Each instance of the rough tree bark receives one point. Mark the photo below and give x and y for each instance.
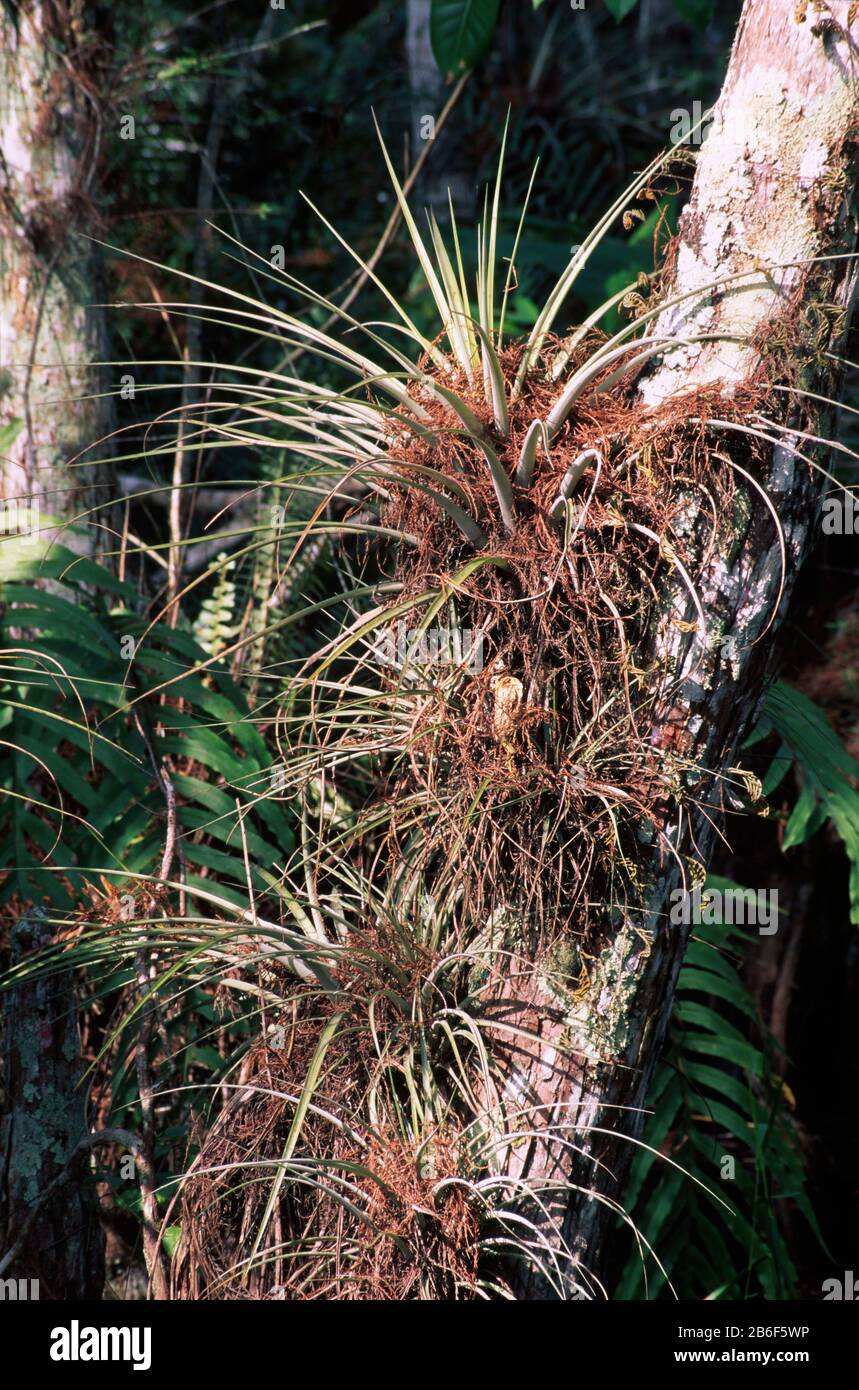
(50, 331)
(51, 334)
(775, 183)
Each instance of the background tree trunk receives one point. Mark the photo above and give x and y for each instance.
(51, 334)
(44, 1121)
(50, 330)
(774, 183)
(427, 96)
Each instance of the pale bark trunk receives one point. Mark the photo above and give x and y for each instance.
(50, 335)
(427, 97)
(50, 331)
(774, 183)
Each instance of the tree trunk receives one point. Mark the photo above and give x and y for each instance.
(60, 1243)
(50, 331)
(774, 184)
(427, 97)
(50, 336)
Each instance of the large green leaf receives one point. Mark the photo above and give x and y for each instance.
(714, 1093)
(78, 794)
(830, 774)
(460, 31)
